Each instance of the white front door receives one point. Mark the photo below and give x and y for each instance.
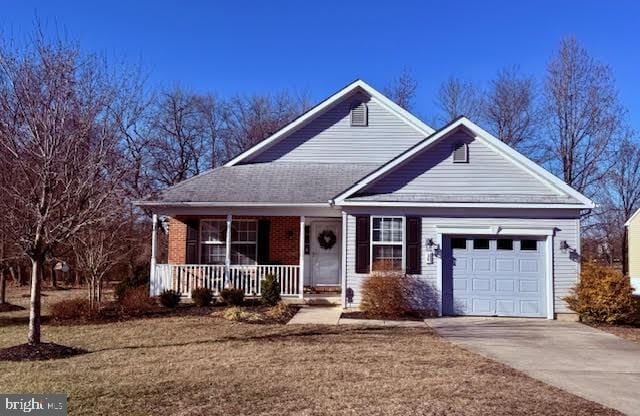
(325, 253)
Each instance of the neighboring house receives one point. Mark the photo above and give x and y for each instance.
(633, 250)
(357, 180)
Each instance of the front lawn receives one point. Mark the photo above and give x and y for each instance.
(205, 365)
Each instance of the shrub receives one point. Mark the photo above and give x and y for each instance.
(202, 296)
(127, 284)
(169, 298)
(282, 312)
(603, 295)
(270, 290)
(238, 314)
(388, 293)
(232, 296)
(136, 301)
(72, 309)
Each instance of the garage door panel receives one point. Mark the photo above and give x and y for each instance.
(505, 307)
(503, 280)
(505, 265)
(505, 285)
(481, 285)
(529, 286)
(529, 266)
(481, 265)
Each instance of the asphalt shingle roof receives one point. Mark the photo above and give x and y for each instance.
(269, 182)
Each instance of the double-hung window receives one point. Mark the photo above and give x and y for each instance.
(244, 241)
(213, 241)
(387, 238)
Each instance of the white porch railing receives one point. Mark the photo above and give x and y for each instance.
(184, 278)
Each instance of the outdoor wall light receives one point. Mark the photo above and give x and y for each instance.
(564, 246)
(290, 234)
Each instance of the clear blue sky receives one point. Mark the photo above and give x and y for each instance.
(265, 46)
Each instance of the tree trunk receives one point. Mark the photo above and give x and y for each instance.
(54, 281)
(3, 286)
(19, 275)
(35, 306)
(12, 271)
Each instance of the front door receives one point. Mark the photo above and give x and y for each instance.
(325, 253)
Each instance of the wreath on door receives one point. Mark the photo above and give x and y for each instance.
(327, 239)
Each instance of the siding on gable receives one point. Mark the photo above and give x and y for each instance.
(434, 172)
(566, 266)
(330, 138)
(633, 252)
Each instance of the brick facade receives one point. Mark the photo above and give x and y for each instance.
(284, 241)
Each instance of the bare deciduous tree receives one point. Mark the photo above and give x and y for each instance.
(584, 117)
(99, 248)
(510, 111)
(178, 144)
(58, 150)
(459, 98)
(402, 90)
(621, 198)
(251, 119)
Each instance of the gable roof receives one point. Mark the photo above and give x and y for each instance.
(632, 217)
(580, 201)
(304, 119)
(264, 184)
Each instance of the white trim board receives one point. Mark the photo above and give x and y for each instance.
(495, 144)
(301, 121)
(628, 223)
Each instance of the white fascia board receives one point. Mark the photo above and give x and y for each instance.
(493, 230)
(226, 204)
(487, 138)
(456, 205)
(628, 223)
(326, 104)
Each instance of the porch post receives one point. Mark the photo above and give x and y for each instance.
(227, 257)
(301, 268)
(153, 285)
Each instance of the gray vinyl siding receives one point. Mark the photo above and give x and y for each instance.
(566, 266)
(330, 138)
(433, 171)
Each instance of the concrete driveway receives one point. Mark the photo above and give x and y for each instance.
(576, 358)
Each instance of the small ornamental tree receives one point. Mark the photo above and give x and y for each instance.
(270, 292)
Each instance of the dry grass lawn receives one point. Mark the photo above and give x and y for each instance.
(209, 366)
(631, 333)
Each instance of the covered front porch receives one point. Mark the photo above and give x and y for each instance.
(239, 251)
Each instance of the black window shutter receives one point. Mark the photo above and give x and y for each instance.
(264, 231)
(193, 235)
(362, 244)
(414, 235)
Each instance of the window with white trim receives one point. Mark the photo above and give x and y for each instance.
(244, 241)
(213, 235)
(387, 237)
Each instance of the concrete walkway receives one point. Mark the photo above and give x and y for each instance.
(576, 358)
(318, 315)
(330, 315)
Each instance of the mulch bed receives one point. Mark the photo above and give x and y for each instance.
(38, 352)
(364, 315)
(9, 307)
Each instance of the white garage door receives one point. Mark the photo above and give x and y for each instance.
(494, 276)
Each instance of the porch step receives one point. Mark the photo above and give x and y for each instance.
(322, 299)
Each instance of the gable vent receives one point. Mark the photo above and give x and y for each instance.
(359, 114)
(460, 153)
